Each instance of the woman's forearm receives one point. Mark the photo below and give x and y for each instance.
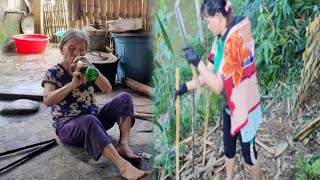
(191, 85)
(53, 97)
(212, 80)
(103, 83)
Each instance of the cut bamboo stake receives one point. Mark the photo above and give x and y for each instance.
(218, 139)
(143, 115)
(177, 126)
(307, 130)
(192, 129)
(205, 128)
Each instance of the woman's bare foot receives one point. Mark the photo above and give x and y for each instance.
(126, 152)
(130, 172)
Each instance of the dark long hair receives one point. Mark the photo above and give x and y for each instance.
(210, 7)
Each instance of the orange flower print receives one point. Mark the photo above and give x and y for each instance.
(234, 54)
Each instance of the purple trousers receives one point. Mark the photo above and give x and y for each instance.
(89, 130)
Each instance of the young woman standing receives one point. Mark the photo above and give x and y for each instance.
(231, 72)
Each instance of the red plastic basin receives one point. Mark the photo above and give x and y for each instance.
(30, 43)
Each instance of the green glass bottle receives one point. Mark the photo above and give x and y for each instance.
(91, 72)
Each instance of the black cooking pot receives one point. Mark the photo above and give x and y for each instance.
(106, 63)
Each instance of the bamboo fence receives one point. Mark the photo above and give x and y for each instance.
(58, 17)
(310, 75)
(101, 11)
(54, 17)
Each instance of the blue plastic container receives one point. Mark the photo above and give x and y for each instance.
(59, 35)
(137, 57)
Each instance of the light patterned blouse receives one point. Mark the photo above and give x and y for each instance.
(78, 102)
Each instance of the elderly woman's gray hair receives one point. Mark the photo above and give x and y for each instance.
(77, 33)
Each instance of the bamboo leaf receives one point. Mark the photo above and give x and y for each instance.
(165, 35)
(155, 122)
(161, 4)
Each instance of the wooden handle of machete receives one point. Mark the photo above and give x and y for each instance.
(195, 76)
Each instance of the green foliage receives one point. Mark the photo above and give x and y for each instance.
(308, 168)
(163, 81)
(278, 27)
(9, 26)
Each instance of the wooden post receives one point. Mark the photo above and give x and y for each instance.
(134, 9)
(84, 11)
(147, 4)
(129, 8)
(192, 131)
(103, 13)
(116, 9)
(90, 9)
(142, 88)
(109, 15)
(205, 128)
(38, 25)
(96, 11)
(143, 10)
(70, 23)
(123, 8)
(177, 126)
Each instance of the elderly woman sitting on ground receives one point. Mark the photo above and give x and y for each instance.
(76, 117)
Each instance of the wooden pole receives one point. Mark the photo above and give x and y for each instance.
(129, 8)
(90, 10)
(70, 23)
(177, 126)
(135, 9)
(313, 125)
(123, 8)
(109, 12)
(84, 11)
(103, 13)
(148, 25)
(192, 131)
(38, 25)
(142, 88)
(206, 128)
(116, 8)
(144, 14)
(96, 11)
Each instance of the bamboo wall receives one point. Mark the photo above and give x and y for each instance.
(100, 11)
(54, 18)
(309, 91)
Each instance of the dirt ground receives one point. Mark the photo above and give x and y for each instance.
(281, 122)
(22, 74)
